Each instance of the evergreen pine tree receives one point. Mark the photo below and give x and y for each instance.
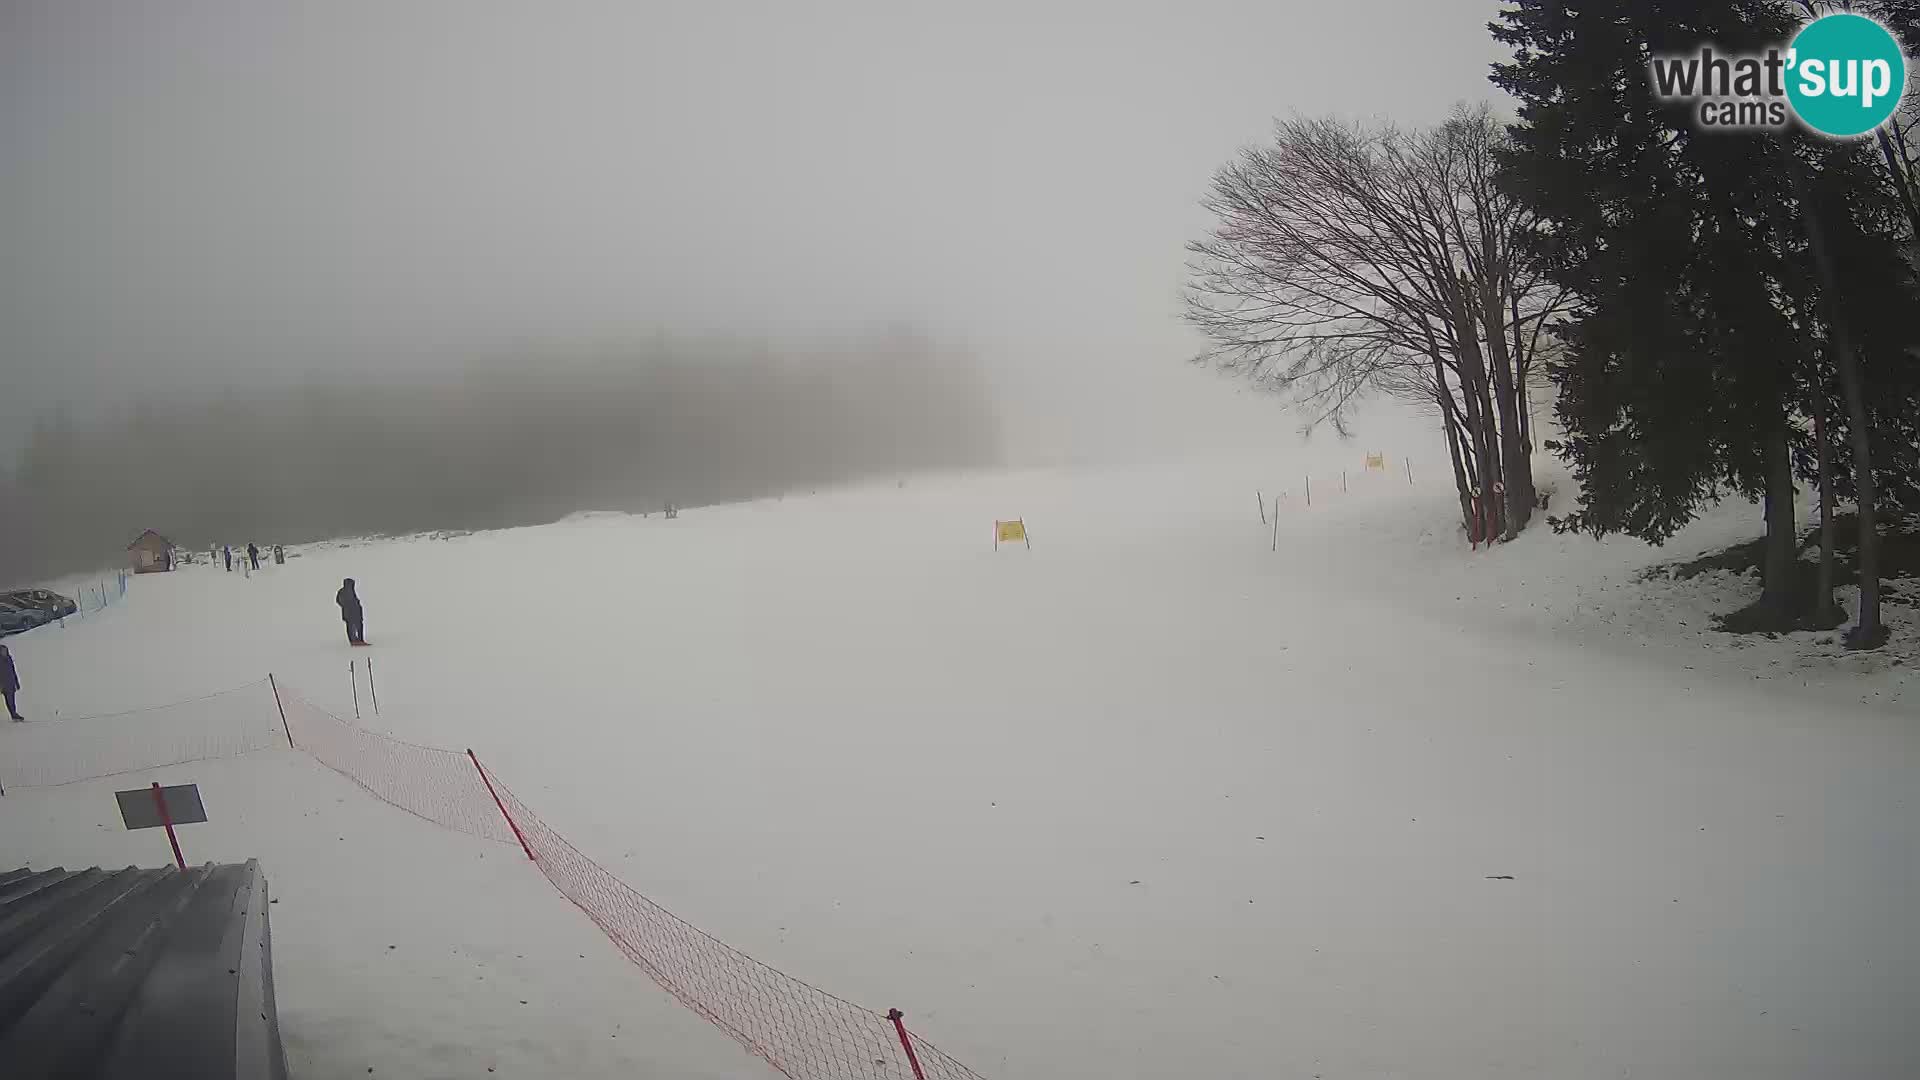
(1678, 380)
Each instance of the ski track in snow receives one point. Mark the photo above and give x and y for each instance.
(1147, 800)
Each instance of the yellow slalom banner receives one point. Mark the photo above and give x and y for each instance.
(1010, 531)
(1377, 461)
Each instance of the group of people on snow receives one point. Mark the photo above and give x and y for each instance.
(350, 612)
(249, 559)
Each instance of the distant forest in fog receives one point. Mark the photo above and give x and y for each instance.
(499, 445)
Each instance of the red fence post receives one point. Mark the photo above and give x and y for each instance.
(160, 800)
(900, 1027)
(283, 711)
(503, 806)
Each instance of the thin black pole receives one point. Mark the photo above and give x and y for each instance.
(283, 711)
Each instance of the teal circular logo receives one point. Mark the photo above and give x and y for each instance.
(1845, 74)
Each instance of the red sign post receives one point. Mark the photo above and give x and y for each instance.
(166, 819)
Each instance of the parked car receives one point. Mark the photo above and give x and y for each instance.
(24, 609)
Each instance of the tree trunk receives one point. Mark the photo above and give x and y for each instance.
(1515, 468)
(1867, 633)
(1523, 360)
(1492, 470)
(1783, 540)
(1482, 434)
(1526, 423)
(1824, 613)
(1462, 481)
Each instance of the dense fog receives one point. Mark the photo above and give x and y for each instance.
(252, 251)
(506, 442)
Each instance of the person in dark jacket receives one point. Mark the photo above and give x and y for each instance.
(350, 611)
(9, 682)
(253, 554)
(229, 553)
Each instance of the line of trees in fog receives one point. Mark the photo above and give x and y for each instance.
(1719, 313)
(686, 422)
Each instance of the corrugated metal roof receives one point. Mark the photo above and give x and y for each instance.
(137, 973)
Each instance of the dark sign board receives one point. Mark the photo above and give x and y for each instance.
(140, 810)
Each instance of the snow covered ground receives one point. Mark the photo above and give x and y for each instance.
(1150, 799)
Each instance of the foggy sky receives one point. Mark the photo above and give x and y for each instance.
(210, 195)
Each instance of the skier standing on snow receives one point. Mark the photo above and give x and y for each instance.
(350, 611)
(253, 555)
(9, 682)
(229, 553)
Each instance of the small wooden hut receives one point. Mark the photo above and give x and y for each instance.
(151, 553)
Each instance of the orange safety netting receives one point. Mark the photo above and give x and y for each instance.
(227, 723)
(801, 1030)
(441, 786)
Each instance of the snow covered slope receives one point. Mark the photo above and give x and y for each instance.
(1150, 799)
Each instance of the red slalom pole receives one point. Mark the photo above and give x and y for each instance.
(503, 806)
(166, 819)
(900, 1028)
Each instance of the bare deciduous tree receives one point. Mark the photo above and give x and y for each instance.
(1347, 260)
